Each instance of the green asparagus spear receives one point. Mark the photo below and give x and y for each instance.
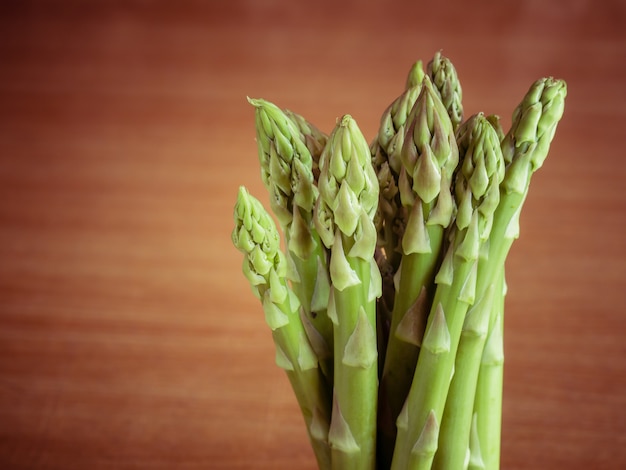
(446, 81)
(476, 190)
(429, 158)
(265, 266)
(287, 171)
(344, 217)
(524, 148)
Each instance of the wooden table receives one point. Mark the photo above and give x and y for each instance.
(129, 339)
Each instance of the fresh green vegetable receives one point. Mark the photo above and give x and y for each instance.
(265, 266)
(429, 158)
(387, 306)
(346, 207)
(476, 189)
(287, 171)
(524, 149)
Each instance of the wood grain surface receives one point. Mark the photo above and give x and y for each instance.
(129, 339)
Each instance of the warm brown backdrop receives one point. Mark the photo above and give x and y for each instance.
(129, 339)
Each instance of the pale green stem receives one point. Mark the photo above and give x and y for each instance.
(434, 368)
(313, 291)
(352, 434)
(489, 391)
(295, 355)
(456, 423)
(408, 322)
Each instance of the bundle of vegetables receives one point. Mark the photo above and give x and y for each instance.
(386, 305)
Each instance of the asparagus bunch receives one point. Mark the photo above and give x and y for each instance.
(476, 190)
(387, 306)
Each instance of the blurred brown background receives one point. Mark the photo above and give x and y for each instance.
(129, 339)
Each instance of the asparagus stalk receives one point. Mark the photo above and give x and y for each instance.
(429, 157)
(265, 266)
(287, 171)
(344, 217)
(454, 435)
(446, 81)
(524, 148)
(487, 409)
(475, 458)
(476, 192)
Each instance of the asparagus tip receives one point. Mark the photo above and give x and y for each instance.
(345, 120)
(256, 102)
